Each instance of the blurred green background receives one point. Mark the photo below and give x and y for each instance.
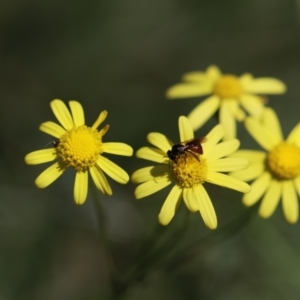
(122, 56)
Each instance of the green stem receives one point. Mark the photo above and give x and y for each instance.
(103, 234)
(193, 250)
(149, 257)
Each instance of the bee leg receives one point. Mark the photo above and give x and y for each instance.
(194, 155)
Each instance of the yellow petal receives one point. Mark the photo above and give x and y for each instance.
(160, 141)
(213, 73)
(258, 132)
(258, 188)
(103, 130)
(203, 111)
(100, 180)
(62, 113)
(297, 184)
(112, 170)
(290, 201)
(49, 175)
(196, 77)
(40, 156)
(271, 123)
(80, 187)
(152, 154)
(77, 113)
(150, 173)
(252, 104)
(270, 199)
(214, 136)
(169, 207)
(227, 181)
(252, 172)
(117, 148)
(245, 79)
(205, 206)
(294, 136)
(235, 109)
(150, 187)
(189, 200)
(251, 155)
(100, 119)
(265, 85)
(185, 129)
(228, 164)
(183, 90)
(52, 129)
(222, 149)
(227, 121)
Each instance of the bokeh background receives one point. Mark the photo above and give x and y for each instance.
(122, 56)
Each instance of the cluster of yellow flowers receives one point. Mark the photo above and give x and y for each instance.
(191, 162)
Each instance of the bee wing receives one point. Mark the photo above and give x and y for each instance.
(187, 141)
(194, 141)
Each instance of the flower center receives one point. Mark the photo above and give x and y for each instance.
(284, 161)
(228, 86)
(190, 171)
(80, 147)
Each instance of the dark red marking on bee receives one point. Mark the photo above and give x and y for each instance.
(192, 146)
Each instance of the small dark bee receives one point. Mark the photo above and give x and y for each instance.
(55, 143)
(192, 146)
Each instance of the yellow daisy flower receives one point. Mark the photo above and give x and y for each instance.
(188, 171)
(229, 94)
(276, 171)
(79, 147)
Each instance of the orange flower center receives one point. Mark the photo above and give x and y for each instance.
(190, 171)
(284, 160)
(80, 147)
(228, 86)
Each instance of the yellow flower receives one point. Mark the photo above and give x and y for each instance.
(229, 93)
(188, 172)
(276, 171)
(79, 147)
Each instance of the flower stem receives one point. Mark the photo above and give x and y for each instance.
(193, 250)
(149, 256)
(116, 287)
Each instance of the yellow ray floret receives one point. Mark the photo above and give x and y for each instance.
(276, 171)
(230, 94)
(188, 171)
(79, 147)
